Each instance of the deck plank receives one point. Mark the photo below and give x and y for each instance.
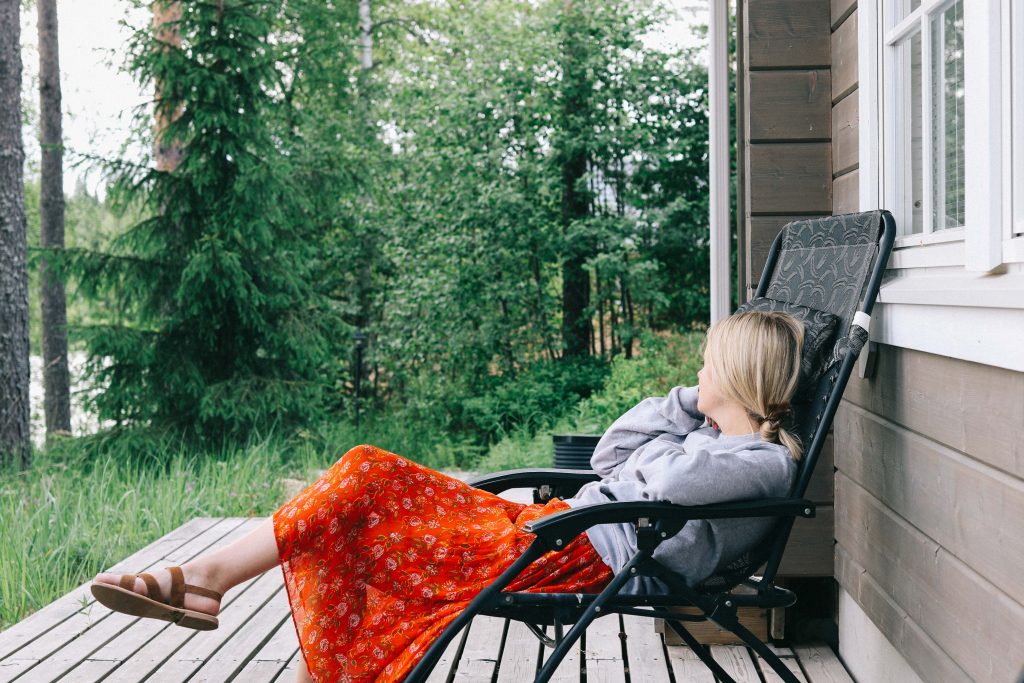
(204, 646)
(271, 659)
(821, 664)
(603, 651)
(768, 673)
(737, 663)
(480, 657)
(519, 659)
(687, 666)
(645, 653)
(239, 649)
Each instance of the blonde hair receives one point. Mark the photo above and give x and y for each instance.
(756, 361)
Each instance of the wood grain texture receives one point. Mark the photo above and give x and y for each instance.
(953, 499)
(603, 651)
(844, 58)
(821, 664)
(647, 663)
(925, 656)
(840, 10)
(846, 197)
(966, 616)
(973, 408)
(789, 105)
(845, 132)
(810, 547)
(687, 667)
(709, 633)
(737, 662)
(790, 178)
(787, 33)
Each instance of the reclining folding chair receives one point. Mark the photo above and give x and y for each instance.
(819, 270)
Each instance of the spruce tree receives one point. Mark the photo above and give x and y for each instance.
(221, 330)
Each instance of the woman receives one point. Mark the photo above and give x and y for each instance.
(380, 554)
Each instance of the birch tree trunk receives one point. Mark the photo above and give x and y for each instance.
(15, 444)
(56, 380)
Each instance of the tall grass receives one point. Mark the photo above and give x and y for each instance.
(85, 505)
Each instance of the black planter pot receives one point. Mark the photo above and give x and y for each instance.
(573, 451)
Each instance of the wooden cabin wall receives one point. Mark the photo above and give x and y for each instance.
(787, 110)
(929, 485)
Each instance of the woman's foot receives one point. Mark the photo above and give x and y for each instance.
(192, 575)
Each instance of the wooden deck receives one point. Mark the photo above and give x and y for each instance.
(76, 639)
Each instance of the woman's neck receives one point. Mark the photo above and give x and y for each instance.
(734, 421)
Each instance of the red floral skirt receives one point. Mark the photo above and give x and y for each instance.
(381, 554)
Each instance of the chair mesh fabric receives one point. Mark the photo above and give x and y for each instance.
(824, 264)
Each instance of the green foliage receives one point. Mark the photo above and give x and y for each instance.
(219, 325)
(665, 361)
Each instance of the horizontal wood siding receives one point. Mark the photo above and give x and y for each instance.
(929, 502)
(802, 100)
(787, 33)
(787, 101)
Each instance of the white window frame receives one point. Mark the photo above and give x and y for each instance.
(956, 292)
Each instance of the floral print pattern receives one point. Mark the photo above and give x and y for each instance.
(381, 554)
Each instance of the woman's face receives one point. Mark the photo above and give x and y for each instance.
(708, 398)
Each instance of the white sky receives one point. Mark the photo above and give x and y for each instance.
(99, 99)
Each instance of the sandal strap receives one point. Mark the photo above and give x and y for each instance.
(152, 587)
(205, 592)
(179, 588)
(127, 582)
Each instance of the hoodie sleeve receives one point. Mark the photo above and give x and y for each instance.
(675, 415)
(715, 475)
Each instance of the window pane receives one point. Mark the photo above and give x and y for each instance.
(904, 8)
(1017, 120)
(948, 118)
(914, 128)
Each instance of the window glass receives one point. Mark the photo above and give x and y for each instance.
(914, 129)
(947, 118)
(1017, 111)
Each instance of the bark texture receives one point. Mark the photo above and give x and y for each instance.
(56, 381)
(14, 369)
(167, 152)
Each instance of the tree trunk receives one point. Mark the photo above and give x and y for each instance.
(576, 326)
(365, 35)
(56, 382)
(15, 443)
(168, 152)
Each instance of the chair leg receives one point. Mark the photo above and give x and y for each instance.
(589, 614)
(702, 651)
(422, 670)
(766, 654)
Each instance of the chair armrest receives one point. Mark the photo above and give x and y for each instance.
(528, 478)
(666, 518)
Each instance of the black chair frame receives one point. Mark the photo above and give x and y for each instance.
(717, 600)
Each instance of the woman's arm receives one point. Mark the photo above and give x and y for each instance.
(674, 415)
(710, 475)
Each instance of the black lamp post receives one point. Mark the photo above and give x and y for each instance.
(360, 338)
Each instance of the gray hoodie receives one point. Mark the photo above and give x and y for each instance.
(663, 449)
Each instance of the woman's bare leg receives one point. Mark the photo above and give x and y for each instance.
(220, 570)
(302, 673)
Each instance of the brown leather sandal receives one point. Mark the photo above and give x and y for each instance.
(123, 599)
